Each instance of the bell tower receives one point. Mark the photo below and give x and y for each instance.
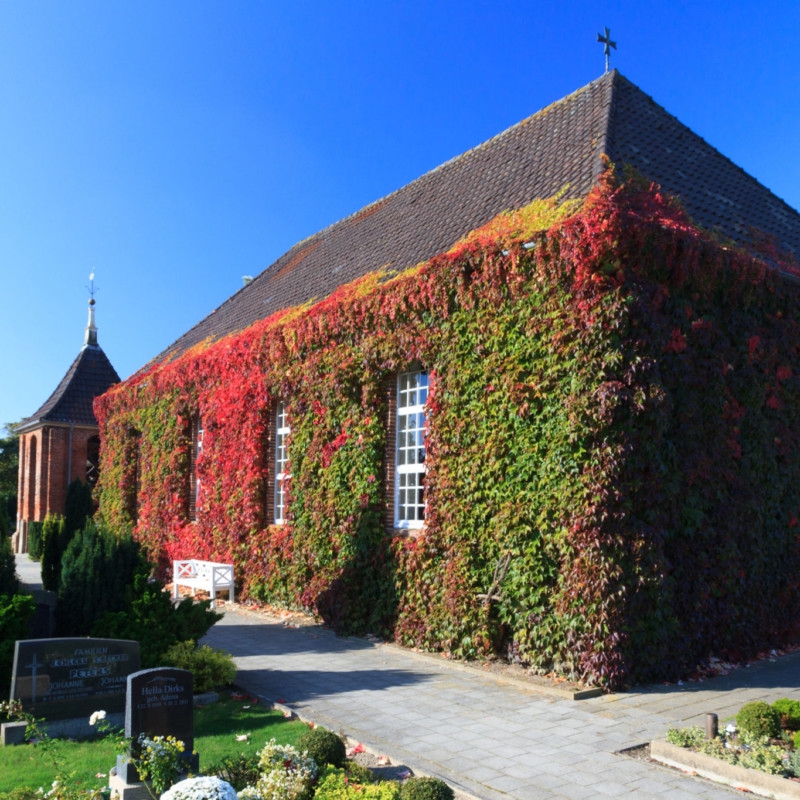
(60, 441)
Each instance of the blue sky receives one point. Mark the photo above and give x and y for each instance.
(175, 146)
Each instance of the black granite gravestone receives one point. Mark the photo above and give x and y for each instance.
(69, 678)
(158, 702)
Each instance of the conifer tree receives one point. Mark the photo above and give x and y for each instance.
(52, 541)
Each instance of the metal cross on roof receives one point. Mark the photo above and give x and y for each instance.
(606, 40)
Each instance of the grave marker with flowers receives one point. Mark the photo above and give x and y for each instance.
(159, 724)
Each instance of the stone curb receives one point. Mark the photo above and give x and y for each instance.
(750, 780)
(520, 683)
(552, 691)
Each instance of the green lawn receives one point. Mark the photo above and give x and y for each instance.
(215, 728)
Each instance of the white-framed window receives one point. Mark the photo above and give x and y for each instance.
(201, 435)
(281, 461)
(198, 450)
(409, 470)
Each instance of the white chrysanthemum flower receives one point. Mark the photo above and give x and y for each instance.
(96, 717)
(250, 793)
(203, 788)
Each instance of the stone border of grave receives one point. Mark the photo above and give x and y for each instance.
(741, 778)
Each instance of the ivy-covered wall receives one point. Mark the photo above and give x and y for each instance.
(613, 410)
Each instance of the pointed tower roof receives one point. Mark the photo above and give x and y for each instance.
(90, 375)
(558, 148)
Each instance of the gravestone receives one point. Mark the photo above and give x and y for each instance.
(64, 680)
(158, 702)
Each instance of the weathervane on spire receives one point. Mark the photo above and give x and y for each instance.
(90, 288)
(606, 40)
(91, 330)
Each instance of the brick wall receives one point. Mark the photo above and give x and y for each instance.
(51, 457)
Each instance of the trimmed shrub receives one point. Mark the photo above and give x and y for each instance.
(759, 719)
(96, 570)
(425, 789)
(324, 746)
(151, 618)
(8, 568)
(336, 784)
(789, 711)
(239, 771)
(210, 667)
(52, 537)
(686, 737)
(35, 540)
(358, 773)
(16, 612)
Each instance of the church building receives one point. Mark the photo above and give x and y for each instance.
(60, 442)
(542, 402)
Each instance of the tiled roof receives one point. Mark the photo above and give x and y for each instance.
(90, 375)
(717, 194)
(555, 148)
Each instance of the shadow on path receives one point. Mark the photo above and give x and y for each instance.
(780, 673)
(301, 686)
(248, 638)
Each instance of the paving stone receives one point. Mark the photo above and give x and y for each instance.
(492, 739)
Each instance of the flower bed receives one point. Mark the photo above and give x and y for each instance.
(760, 753)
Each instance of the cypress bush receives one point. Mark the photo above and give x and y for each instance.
(96, 570)
(78, 507)
(52, 551)
(35, 540)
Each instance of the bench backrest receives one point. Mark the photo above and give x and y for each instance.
(204, 570)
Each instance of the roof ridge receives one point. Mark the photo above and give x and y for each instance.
(603, 148)
(320, 235)
(708, 144)
(457, 158)
(557, 148)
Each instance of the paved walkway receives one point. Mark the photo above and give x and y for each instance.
(490, 739)
(29, 572)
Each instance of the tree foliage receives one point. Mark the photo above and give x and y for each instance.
(97, 570)
(9, 473)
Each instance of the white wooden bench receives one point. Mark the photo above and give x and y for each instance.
(210, 576)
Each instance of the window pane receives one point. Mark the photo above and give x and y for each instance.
(412, 392)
